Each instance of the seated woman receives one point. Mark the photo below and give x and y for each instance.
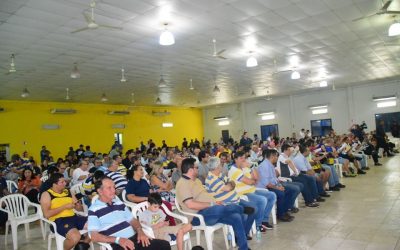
(29, 185)
(160, 183)
(138, 189)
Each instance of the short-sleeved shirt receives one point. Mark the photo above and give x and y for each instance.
(118, 179)
(188, 189)
(301, 163)
(88, 185)
(203, 172)
(236, 174)
(150, 218)
(78, 173)
(138, 188)
(267, 175)
(214, 185)
(110, 220)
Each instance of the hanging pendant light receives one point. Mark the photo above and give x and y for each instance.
(394, 29)
(191, 85)
(253, 93)
(162, 83)
(25, 93)
(75, 72)
(295, 75)
(123, 79)
(166, 37)
(158, 100)
(104, 97)
(216, 89)
(12, 64)
(251, 62)
(67, 96)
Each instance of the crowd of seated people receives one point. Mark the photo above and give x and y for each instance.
(248, 177)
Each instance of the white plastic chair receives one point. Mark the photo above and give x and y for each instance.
(78, 189)
(127, 203)
(59, 239)
(12, 186)
(16, 206)
(141, 207)
(208, 230)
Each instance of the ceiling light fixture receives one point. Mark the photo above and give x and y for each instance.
(191, 84)
(123, 79)
(216, 89)
(295, 75)
(251, 61)
(12, 64)
(25, 93)
(158, 100)
(166, 37)
(394, 29)
(323, 84)
(104, 97)
(67, 96)
(161, 82)
(75, 72)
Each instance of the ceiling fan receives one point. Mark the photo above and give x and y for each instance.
(382, 11)
(91, 23)
(219, 53)
(280, 71)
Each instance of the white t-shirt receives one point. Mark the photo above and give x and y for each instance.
(76, 174)
(283, 159)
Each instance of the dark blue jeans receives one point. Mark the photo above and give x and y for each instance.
(285, 199)
(310, 191)
(227, 214)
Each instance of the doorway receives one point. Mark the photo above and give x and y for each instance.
(118, 138)
(225, 136)
(5, 152)
(267, 130)
(391, 121)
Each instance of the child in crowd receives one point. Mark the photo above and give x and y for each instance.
(155, 218)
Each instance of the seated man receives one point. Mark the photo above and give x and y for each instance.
(193, 198)
(286, 196)
(110, 221)
(306, 172)
(119, 179)
(245, 180)
(224, 191)
(58, 205)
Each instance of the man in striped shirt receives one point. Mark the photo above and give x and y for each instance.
(245, 180)
(110, 221)
(119, 180)
(224, 191)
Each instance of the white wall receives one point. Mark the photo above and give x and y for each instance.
(346, 106)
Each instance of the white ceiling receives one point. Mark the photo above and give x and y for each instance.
(320, 34)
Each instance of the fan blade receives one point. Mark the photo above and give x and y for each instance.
(79, 30)
(363, 17)
(386, 5)
(281, 71)
(87, 18)
(110, 27)
(392, 12)
(221, 57)
(220, 52)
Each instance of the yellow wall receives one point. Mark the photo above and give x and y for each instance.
(21, 126)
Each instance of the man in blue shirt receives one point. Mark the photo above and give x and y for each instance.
(286, 196)
(110, 221)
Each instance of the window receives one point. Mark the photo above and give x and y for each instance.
(321, 127)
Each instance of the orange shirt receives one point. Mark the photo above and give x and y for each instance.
(35, 182)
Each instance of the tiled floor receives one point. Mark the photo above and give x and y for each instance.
(365, 215)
